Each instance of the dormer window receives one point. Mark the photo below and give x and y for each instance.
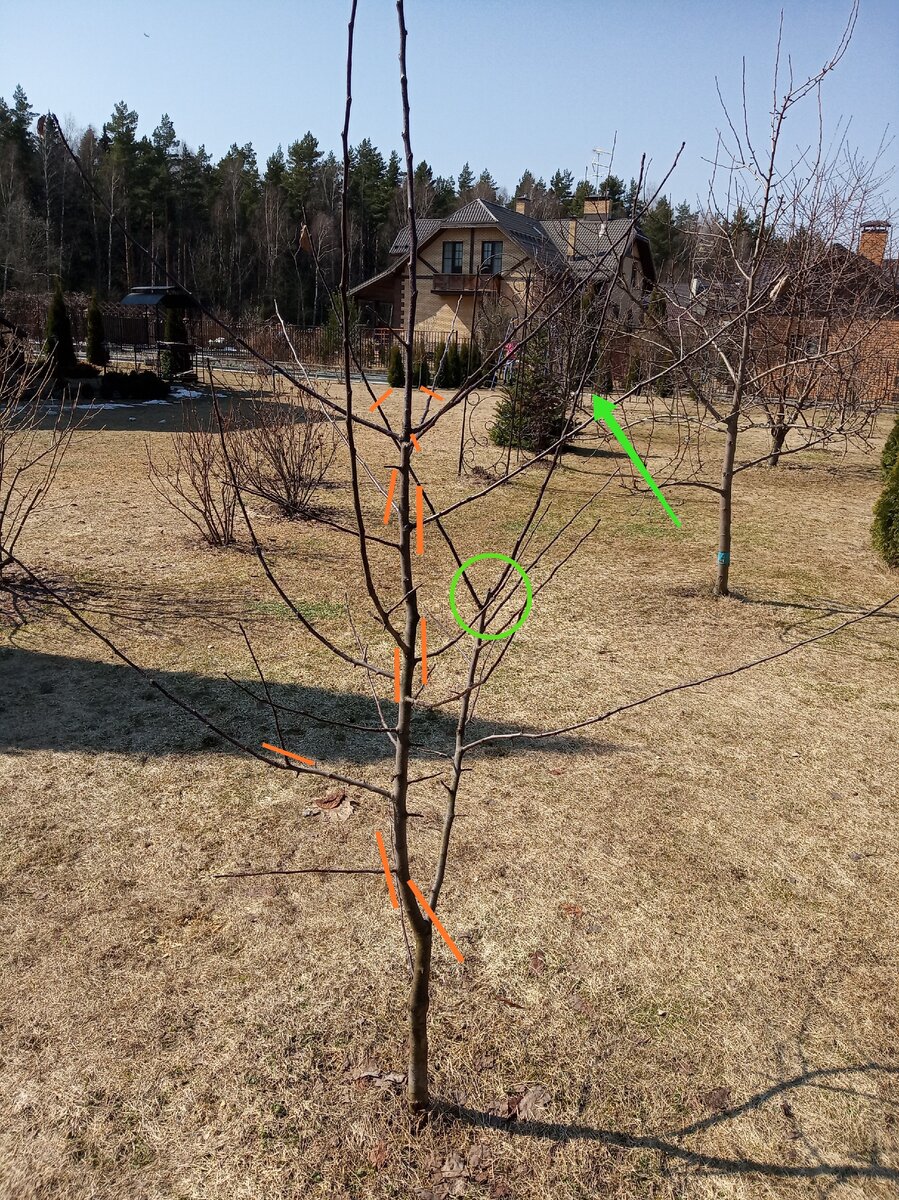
(491, 258)
(452, 258)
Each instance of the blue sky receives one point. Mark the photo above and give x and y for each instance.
(506, 84)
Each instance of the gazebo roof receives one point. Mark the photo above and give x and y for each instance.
(152, 297)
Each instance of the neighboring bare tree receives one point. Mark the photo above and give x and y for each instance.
(32, 446)
(195, 480)
(781, 320)
(284, 450)
(403, 590)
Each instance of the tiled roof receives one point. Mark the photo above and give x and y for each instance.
(424, 226)
(598, 243)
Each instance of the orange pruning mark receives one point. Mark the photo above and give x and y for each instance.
(289, 753)
(390, 492)
(377, 403)
(430, 912)
(414, 441)
(396, 674)
(434, 394)
(419, 520)
(424, 651)
(388, 874)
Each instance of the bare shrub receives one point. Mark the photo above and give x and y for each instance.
(195, 479)
(283, 453)
(33, 441)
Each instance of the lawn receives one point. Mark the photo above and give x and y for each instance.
(679, 926)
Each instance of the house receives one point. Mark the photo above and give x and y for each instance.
(824, 329)
(487, 265)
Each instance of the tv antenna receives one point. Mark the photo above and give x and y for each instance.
(596, 167)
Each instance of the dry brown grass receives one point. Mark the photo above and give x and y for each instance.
(682, 924)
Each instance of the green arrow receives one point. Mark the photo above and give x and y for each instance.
(604, 410)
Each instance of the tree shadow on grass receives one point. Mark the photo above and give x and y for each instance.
(668, 1143)
(820, 608)
(56, 702)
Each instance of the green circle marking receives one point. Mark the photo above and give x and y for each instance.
(460, 571)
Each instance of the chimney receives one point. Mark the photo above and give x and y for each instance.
(596, 206)
(572, 237)
(872, 242)
(523, 205)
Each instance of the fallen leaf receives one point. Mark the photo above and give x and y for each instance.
(506, 1108)
(343, 812)
(522, 1106)
(533, 1103)
(572, 910)
(390, 1079)
(365, 1071)
(331, 800)
(511, 1003)
(500, 1190)
(379, 1154)
(370, 1072)
(538, 962)
(556, 772)
(478, 1162)
(579, 1004)
(717, 1099)
(454, 1166)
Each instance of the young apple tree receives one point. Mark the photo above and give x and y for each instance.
(397, 521)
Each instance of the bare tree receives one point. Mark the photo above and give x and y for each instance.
(284, 450)
(34, 437)
(396, 518)
(781, 314)
(194, 477)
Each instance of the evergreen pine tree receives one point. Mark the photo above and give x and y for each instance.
(634, 371)
(531, 413)
(97, 351)
(890, 455)
(469, 360)
(453, 365)
(59, 345)
(421, 370)
(466, 184)
(885, 531)
(602, 380)
(396, 372)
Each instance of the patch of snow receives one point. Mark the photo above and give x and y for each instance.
(107, 404)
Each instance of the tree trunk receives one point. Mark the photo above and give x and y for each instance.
(725, 497)
(778, 437)
(418, 1086)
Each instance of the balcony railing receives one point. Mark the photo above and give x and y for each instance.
(464, 285)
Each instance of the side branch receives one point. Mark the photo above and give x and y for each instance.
(682, 687)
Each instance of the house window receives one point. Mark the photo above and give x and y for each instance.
(452, 258)
(802, 345)
(491, 258)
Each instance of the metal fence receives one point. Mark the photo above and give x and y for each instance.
(136, 333)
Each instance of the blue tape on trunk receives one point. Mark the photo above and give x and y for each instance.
(724, 558)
